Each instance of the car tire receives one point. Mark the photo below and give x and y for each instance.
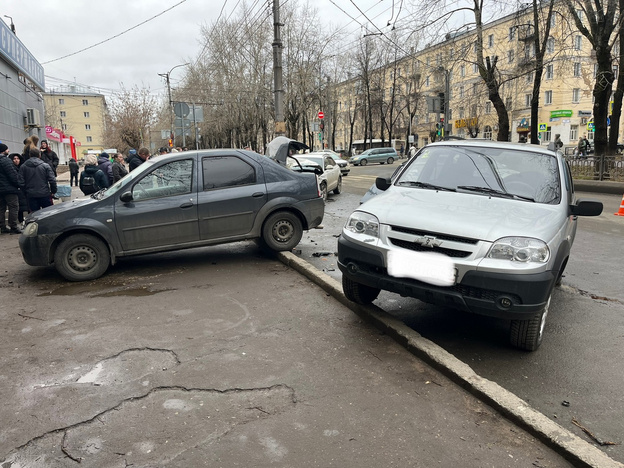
(324, 191)
(363, 162)
(282, 231)
(81, 257)
(359, 293)
(390, 160)
(338, 188)
(528, 334)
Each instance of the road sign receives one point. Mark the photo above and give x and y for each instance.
(543, 127)
(321, 115)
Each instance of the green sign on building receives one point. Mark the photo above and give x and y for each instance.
(560, 113)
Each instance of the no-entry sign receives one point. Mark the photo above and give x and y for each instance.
(321, 115)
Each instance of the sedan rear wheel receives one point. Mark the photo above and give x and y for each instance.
(359, 293)
(338, 188)
(282, 231)
(528, 334)
(81, 257)
(390, 160)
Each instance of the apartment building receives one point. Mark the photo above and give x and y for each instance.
(450, 67)
(78, 112)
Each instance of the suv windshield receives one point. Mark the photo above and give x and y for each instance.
(504, 172)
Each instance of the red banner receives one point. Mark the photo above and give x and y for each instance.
(54, 134)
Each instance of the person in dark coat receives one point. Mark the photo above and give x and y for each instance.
(23, 203)
(91, 169)
(9, 189)
(119, 170)
(73, 172)
(36, 178)
(136, 160)
(49, 156)
(106, 166)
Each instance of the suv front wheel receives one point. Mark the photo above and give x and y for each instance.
(359, 293)
(528, 334)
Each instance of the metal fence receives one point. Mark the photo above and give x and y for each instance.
(598, 168)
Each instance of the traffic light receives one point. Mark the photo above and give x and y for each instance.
(322, 126)
(442, 102)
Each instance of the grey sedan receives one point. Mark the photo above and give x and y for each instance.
(179, 201)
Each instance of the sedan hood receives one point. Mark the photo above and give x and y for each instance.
(60, 208)
(467, 215)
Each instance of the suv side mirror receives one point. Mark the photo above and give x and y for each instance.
(383, 183)
(586, 208)
(126, 197)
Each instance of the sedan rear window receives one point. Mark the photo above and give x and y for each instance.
(226, 171)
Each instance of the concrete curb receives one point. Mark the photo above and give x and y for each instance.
(576, 450)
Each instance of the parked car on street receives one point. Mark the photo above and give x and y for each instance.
(375, 155)
(330, 179)
(343, 164)
(177, 201)
(484, 227)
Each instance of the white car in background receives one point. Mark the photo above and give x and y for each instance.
(330, 180)
(342, 163)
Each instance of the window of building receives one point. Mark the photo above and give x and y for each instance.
(549, 72)
(427, 81)
(578, 42)
(87, 126)
(461, 91)
(595, 70)
(461, 112)
(64, 127)
(548, 97)
(475, 48)
(529, 78)
(61, 101)
(487, 132)
(488, 107)
(509, 103)
(451, 53)
(512, 33)
(438, 59)
(89, 139)
(462, 70)
(550, 45)
(577, 69)
(490, 40)
(473, 110)
(553, 20)
(529, 50)
(510, 55)
(63, 114)
(573, 132)
(527, 100)
(86, 114)
(85, 102)
(475, 68)
(615, 71)
(547, 135)
(576, 94)
(475, 89)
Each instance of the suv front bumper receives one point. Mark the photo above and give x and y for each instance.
(502, 295)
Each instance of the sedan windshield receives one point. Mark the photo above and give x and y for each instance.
(502, 172)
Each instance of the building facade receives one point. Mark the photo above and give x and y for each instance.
(410, 85)
(78, 114)
(21, 86)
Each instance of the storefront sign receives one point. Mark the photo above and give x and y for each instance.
(54, 134)
(560, 113)
(462, 123)
(18, 55)
(584, 113)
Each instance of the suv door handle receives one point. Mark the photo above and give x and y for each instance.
(258, 194)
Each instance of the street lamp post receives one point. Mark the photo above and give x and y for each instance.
(166, 76)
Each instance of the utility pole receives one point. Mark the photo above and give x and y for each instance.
(280, 125)
(166, 76)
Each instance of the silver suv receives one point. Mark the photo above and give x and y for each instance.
(484, 227)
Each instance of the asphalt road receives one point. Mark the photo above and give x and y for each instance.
(577, 372)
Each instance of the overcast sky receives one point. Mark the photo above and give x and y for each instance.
(51, 29)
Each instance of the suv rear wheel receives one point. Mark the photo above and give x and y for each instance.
(359, 293)
(528, 334)
(390, 160)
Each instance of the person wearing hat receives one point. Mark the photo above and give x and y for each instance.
(9, 190)
(106, 166)
(49, 156)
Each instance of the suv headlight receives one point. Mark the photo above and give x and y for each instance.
(363, 223)
(520, 249)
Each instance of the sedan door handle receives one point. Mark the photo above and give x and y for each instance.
(258, 194)
(186, 205)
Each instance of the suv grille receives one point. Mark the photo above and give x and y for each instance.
(420, 248)
(463, 240)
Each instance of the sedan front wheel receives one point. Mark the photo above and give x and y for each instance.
(81, 257)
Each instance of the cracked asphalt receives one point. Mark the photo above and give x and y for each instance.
(223, 357)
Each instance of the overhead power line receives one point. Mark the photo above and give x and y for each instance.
(116, 35)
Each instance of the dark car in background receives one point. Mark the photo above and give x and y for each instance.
(178, 201)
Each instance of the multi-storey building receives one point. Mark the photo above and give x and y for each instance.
(21, 84)
(80, 113)
(450, 67)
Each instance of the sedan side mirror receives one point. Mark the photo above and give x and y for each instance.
(383, 183)
(586, 208)
(126, 197)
